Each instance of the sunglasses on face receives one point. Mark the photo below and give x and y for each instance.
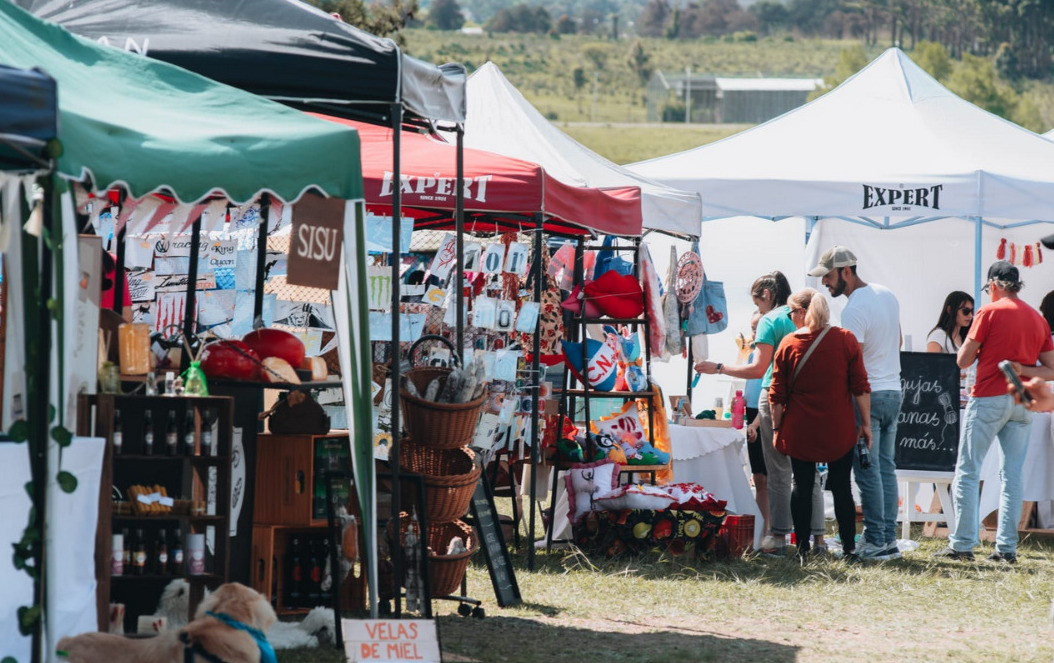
(987, 287)
(966, 310)
(791, 312)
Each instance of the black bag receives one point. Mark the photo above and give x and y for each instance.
(297, 414)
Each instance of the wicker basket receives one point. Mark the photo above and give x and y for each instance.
(445, 572)
(450, 477)
(441, 425)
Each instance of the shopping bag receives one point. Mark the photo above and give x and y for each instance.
(708, 314)
(607, 260)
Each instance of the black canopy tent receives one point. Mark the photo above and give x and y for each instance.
(284, 50)
(28, 119)
(295, 54)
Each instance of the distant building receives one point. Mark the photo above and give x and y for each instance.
(724, 100)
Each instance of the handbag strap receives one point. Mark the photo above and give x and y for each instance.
(805, 357)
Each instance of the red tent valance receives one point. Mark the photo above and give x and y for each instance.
(501, 193)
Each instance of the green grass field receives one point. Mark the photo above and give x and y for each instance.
(661, 609)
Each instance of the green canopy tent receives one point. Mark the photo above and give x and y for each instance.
(145, 127)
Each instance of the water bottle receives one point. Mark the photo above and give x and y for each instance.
(864, 453)
(739, 410)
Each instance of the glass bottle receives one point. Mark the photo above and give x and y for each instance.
(206, 433)
(118, 436)
(148, 433)
(314, 585)
(172, 435)
(296, 576)
(138, 554)
(161, 554)
(126, 562)
(188, 432)
(175, 558)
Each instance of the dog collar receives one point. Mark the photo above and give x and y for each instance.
(267, 654)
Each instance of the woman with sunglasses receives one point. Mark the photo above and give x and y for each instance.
(952, 325)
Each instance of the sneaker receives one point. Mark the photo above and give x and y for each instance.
(1007, 557)
(821, 552)
(951, 553)
(851, 558)
(772, 546)
(870, 551)
(892, 551)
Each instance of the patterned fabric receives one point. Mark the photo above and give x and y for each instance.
(550, 317)
(637, 531)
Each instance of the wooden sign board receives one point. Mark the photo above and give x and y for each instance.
(488, 529)
(391, 640)
(315, 242)
(928, 425)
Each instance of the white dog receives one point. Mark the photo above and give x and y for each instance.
(316, 628)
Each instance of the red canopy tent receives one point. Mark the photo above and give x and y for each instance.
(501, 193)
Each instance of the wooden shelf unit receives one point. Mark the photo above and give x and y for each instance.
(183, 476)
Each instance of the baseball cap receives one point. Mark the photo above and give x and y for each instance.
(1001, 270)
(1048, 241)
(833, 258)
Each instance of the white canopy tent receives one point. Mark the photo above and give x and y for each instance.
(890, 148)
(500, 120)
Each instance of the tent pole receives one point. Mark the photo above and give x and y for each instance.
(396, 359)
(261, 259)
(536, 377)
(39, 391)
(459, 229)
(977, 257)
(190, 304)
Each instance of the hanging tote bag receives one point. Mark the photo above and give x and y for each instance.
(708, 314)
(607, 260)
(671, 309)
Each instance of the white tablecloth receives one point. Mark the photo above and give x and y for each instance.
(713, 458)
(1038, 471)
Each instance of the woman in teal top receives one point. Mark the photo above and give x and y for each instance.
(770, 293)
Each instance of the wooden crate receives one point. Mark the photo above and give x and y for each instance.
(287, 479)
(270, 547)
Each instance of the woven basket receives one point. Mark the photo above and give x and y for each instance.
(441, 425)
(450, 477)
(445, 572)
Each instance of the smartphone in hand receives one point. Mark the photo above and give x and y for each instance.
(1013, 379)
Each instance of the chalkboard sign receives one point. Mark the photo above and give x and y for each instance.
(488, 528)
(928, 426)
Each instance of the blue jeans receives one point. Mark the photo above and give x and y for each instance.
(879, 494)
(985, 418)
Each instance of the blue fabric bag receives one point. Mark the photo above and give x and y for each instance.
(708, 314)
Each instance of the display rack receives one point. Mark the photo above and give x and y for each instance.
(569, 396)
(198, 475)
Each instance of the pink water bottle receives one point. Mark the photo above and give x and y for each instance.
(739, 410)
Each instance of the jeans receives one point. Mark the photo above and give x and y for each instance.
(838, 482)
(879, 494)
(779, 481)
(985, 418)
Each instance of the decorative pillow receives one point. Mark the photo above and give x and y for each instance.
(573, 303)
(616, 295)
(693, 497)
(626, 428)
(602, 362)
(585, 483)
(636, 496)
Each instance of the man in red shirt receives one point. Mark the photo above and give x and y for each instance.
(1010, 329)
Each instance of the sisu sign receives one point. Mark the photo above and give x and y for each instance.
(315, 242)
(902, 198)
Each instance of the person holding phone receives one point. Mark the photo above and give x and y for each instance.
(1042, 396)
(1007, 329)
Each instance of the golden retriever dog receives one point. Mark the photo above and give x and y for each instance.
(204, 632)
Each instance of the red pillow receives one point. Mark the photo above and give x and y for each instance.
(617, 295)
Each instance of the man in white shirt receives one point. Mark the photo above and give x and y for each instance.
(873, 315)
